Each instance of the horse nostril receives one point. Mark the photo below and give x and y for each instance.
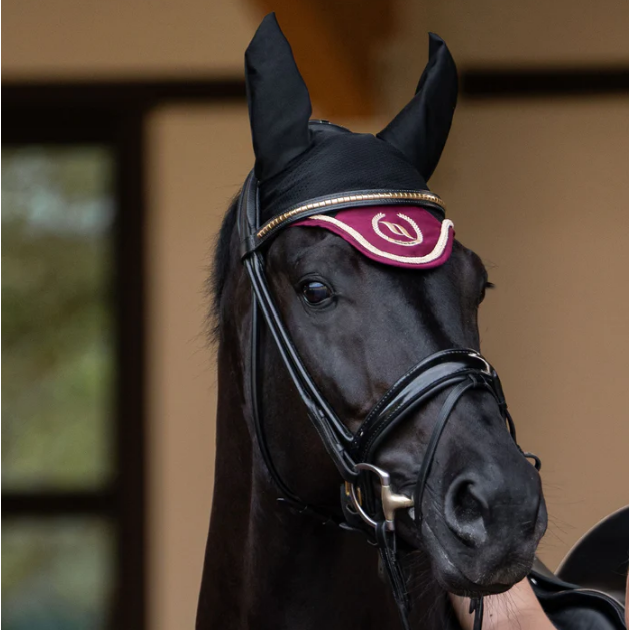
(464, 511)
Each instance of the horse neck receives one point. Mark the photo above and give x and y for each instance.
(266, 566)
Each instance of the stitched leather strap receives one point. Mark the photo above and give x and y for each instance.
(445, 413)
(431, 376)
(476, 606)
(386, 542)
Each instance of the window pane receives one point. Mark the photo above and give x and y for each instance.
(57, 351)
(56, 574)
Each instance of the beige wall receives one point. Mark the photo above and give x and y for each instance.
(503, 33)
(539, 190)
(198, 157)
(131, 38)
(125, 38)
(534, 32)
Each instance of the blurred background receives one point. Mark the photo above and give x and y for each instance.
(125, 137)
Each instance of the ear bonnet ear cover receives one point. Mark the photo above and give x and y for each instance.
(420, 130)
(298, 161)
(278, 100)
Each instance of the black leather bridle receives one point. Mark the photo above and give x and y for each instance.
(458, 370)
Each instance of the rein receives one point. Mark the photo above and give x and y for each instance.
(459, 370)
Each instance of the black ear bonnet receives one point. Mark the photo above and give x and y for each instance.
(298, 160)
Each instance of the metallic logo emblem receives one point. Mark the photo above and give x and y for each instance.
(405, 238)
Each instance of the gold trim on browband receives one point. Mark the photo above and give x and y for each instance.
(416, 196)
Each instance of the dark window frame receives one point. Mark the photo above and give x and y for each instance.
(123, 501)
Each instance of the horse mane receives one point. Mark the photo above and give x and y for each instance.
(220, 270)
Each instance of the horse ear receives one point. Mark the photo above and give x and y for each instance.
(278, 100)
(420, 130)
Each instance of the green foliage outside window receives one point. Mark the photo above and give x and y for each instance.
(56, 316)
(57, 385)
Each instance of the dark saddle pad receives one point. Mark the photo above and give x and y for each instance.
(599, 564)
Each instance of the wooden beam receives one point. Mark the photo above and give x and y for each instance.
(332, 43)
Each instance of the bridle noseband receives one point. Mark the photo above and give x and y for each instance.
(458, 370)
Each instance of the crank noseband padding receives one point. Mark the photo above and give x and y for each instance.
(426, 379)
(456, 371)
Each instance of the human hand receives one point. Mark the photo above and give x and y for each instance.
(518, 607)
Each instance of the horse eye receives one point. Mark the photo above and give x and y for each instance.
(315, 292)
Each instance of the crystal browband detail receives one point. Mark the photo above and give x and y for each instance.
(327, 203)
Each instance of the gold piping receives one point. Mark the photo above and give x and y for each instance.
(416, 196)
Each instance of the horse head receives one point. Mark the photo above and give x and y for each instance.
(372, 299)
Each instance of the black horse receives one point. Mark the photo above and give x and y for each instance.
(357, 325)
